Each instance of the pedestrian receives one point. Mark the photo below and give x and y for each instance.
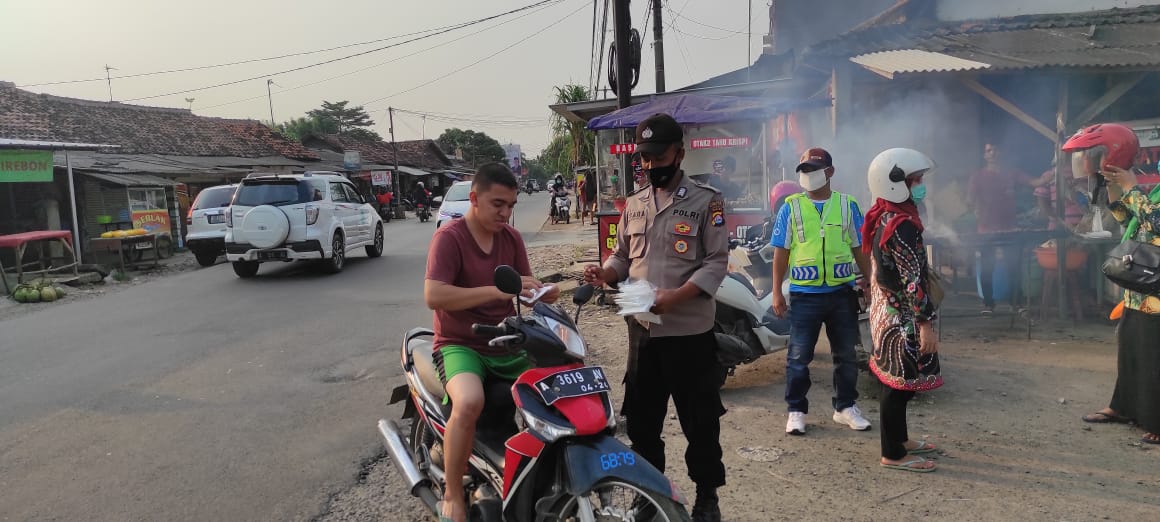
(991, 193)
(672, 234)
(1109, 151)
(590, 198)
(459, 288)
(903, 301)
(817, 240)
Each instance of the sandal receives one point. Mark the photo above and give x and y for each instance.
(923, 447)
(1150, 438)
(442, 518)
(911, 465)
(1104, 417)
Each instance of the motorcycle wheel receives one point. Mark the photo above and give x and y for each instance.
(614, 499)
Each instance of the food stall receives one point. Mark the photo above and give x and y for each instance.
(726, 146)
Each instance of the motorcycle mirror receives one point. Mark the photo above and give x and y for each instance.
(583, 294)
(508, 280)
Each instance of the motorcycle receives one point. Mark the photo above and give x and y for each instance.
(544, 446)
(561, 209)
(423, 211)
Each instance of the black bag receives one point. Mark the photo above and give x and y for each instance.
(1134, 266)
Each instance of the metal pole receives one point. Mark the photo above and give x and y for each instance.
(749, 44)
(1060, 184)
(109, 80)
(622, 22)
(658, 46)
(399, 213)
(72, 195)
(270, 98)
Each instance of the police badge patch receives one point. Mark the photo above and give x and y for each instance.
(681, 246)
(717, 213)
(682, 228)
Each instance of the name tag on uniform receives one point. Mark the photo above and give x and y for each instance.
(681, 192)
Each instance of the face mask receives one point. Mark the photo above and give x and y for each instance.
(812, 181)
(918, 193)
(661, 176)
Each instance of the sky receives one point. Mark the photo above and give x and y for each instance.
(465, 75)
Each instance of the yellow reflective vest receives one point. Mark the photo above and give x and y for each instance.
(820, 244)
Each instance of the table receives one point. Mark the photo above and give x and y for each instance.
(19, 242)
(120, 244)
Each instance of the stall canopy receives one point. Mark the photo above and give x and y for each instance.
(132, 180)
(699, 109)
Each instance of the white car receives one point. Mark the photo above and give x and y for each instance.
(453, 204)
(303, 216)
(206, 223)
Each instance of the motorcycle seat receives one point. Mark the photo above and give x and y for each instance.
(423, 355)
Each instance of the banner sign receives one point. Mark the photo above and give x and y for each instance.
(22, 166)
(719, 143)
(622, 148)
(380, 178)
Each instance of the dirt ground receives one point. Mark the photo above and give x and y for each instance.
(1007, 420)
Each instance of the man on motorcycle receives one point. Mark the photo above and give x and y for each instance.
(419, 194)
(558, 189)
(459, 287)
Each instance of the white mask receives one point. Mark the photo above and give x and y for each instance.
(812, 181)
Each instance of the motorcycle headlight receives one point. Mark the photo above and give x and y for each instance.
(571, 338)
(547, 429)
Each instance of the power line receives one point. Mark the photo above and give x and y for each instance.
(592, 47)
(347, 57)
(600, 59)
(678, 15)
(481, 60)
(469, 116)
(392, 60)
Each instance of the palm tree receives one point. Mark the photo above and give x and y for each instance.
(580, 140)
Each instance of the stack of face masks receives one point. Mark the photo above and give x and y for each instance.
(636, 297)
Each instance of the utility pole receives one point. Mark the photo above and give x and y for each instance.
(749, 44)
(399, 213)
(658, 46)
(622, 23)
(190, 100)
(109, 79)
(270, 98)
(424, 127)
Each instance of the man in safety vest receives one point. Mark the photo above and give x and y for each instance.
(817, 241)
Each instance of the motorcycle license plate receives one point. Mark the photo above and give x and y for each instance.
(572, 383)
(276, 254)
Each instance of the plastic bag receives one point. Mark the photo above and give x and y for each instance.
(636, 297)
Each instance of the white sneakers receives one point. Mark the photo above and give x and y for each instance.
(852, 417)
(796, 424)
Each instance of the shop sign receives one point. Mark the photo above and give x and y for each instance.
(153, 221)
(23, 166)
(380, 178)
(351, 160)
(719, 143)
(622, 148)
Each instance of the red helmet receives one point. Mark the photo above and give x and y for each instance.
(1102, 144)
(782, 190)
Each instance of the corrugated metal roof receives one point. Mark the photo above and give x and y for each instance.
(1099, 39)
(132, 180)
(889, 63)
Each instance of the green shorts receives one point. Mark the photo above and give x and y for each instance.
(452, 360)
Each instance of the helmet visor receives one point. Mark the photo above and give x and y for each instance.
(1088, 162)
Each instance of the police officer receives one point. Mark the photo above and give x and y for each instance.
(672, 233)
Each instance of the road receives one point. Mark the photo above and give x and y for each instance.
(202, 396)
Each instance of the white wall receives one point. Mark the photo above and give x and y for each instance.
(954, 10)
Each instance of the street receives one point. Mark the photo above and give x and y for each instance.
(203, 396)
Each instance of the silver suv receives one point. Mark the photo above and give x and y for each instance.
(316, 215)
(206, 223)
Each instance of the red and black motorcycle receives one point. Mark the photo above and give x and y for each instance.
(544, 447)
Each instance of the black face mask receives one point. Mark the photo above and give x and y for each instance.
(661, 176)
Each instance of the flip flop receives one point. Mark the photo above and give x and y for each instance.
(923, 447)
(1100, 417)
(909, 466)
(440, 514)
(1150, 440)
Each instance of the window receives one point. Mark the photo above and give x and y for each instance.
(214, 197)
(458, 192)
(352, 194)
(283, 191)
(146, 199)
(337, 194)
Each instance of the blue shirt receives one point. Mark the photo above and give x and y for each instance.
(781, 239)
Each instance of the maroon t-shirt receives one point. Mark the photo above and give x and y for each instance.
(456, 259)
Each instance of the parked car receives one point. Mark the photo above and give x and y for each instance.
(454, 203)
(206, 223)
(316, 215)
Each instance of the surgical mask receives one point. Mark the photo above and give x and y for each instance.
(918, 193)
(812, 181)
(661, 176)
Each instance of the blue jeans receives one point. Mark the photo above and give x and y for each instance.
(807, 313)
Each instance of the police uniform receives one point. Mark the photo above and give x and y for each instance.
(682, 238)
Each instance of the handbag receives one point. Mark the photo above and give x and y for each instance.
(1134, 266)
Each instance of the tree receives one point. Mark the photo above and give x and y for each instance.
(299, 128)
(478, 148)
(557, 156)
(581, 141)
(343, 117)
(332, 118)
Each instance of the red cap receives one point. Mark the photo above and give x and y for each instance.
(815, 158)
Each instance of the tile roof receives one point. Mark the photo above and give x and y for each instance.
(424, 154)
(1109, 38)
(137, 129)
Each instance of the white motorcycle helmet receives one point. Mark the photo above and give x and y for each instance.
(888, 172)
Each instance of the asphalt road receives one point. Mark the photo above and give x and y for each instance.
(202, 396)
